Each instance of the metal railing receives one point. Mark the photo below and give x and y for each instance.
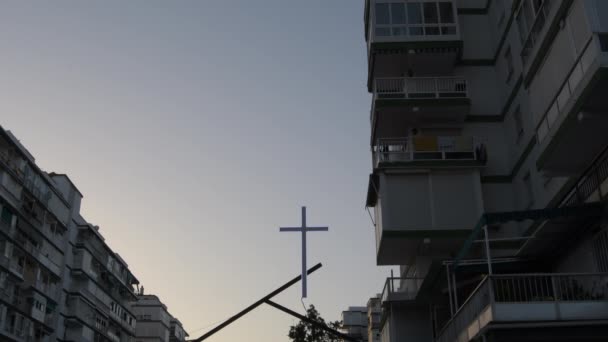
(589, 183)
(472, 308)
(426, 148)
(549, 119)
(398, 289)
(522, 289)
(420, 88)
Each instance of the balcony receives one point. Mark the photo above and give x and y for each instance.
(428, 151)
(400, 289)
(422, 36)
(403, 102)
(37, 254)
(529, 300)
(571, 133)
(423, 208)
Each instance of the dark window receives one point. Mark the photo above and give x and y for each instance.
(446, 12)
(397, 13)
(430, 13)
(414, 13)
(382, 14)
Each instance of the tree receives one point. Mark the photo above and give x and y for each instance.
(306, 332)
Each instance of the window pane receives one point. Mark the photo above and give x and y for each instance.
(382, 14)
(448, 30)
(400, 31)
(397, 13)
(430, 13)
(415, 31)
(383, 31)
(446, 12)
(432, 30)
(414, 13)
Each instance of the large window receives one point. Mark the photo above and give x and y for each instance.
(414, 18)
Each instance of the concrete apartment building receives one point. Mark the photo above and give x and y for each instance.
(374, 314)
(177, 332)
(154, 322)
(354, 322)
(59, 280)
(488, 184)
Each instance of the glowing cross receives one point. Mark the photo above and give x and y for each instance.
(303, 229)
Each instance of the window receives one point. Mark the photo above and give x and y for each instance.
(519, 124)
(529, 190)
(6, 216)
(414, 18)
(509, 64)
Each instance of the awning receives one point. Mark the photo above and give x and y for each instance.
(591, 210)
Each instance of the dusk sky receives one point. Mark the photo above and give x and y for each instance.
(195, 129)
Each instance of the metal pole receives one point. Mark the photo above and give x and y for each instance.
(447, 273)
(304, 291)
(488, 256)
(455, 290)
(255, 305)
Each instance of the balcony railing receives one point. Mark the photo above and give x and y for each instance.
(590, 184)
(428, 148)
(550, 118)
(529, 297)
(401, 289)
(420, 88)
(43, 259)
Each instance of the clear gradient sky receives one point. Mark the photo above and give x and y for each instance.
(195, 129)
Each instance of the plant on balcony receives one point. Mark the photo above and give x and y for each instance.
(306, 332)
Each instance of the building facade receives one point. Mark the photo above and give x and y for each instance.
(374, 314)
(488, 184)
(154, 322)
(59, 280)
(354, 322)
(177, 333)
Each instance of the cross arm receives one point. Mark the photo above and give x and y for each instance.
(299, 229)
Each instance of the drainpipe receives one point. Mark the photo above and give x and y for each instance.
(447, 273)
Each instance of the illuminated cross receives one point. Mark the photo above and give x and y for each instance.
(303, 229)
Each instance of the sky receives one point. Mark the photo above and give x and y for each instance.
(195, 129)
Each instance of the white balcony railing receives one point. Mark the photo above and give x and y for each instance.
(428, 148)
(420, 88)
(529, 297)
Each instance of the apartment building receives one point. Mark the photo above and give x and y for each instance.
(177, 333)
(488, 137)
(354, 322)
(154, 322)
(59, 280)
(374, 314)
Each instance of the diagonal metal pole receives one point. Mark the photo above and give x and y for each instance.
(256, 304)
(313, 322)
